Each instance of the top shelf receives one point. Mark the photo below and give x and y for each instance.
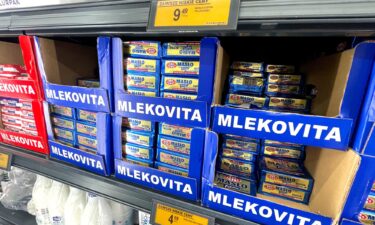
(266, 17)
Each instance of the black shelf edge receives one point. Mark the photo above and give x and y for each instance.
(135, 196)
(15, 217)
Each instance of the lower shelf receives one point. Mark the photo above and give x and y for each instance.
(108, 187)
(15, 217)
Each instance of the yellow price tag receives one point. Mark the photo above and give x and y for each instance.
(185, 14)
(165, 214)
(4, 161)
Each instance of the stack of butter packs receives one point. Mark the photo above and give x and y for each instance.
(367, 215)
(275, 88)
(141, 77)
(76, 127)
(160, 145)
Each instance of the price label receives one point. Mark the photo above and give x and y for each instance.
(166, 214)
(5, 161)
(193, 15)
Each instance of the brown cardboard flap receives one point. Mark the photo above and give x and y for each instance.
(10, 53)
(333, 173)
(65, 62)
(329, 74)
(221, 70)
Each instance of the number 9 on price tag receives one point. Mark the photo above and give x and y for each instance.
(166, 214)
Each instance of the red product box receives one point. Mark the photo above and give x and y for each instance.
(32, 139)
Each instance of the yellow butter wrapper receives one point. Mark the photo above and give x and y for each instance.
(178, 96)
(370, 202)
(182, 49)
(174, 159)
(142, 93)
(142, 48)
(284, 192)
(286, 180)
(180, 84)
(141, 81)
(180, 67)
(142, 65)
(175, 131)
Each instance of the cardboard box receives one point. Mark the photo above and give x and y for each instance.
(174, 111)
(340, 80)
(62, 63)
(100, 162)
(333, 173)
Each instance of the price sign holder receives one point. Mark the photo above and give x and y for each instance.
(5, 161)
(193, 15)
(167, 214)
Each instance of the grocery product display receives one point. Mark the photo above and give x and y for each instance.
(227, 112)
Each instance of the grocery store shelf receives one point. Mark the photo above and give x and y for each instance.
(138, 197)
(266, 17)
(15, 217)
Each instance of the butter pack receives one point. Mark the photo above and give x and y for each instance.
(88, 128)
(11, 120)
(148, 93)
(173, 158)
(283, 69)
(137, 151)
(87, 141)
(291, 167)
(12, 111)
(247, 66)
(26, 114)
(142, 66)
(248, 74)
(180, 67)
(294, 79)
(181, 50)
(242, 144)
(142, 81)
(174, 144)
(65, 142)
(64, 134)
(267, 142)
(180, 96)
(63, 111)
(246, 101)
(289, 104)
(303, 182)
(137, 137)
(239, 154)
(137, 124)
(235, 183)
(284, 192)
(179, 84)
(370, 202)
(86, 115)
(171, 169)
(283, 152)
(243, 84)
(63, 122)
(175, 131)
(10, 102)
(143, 49)
(138, 161)
(237, 167)
(28, 125)
(25, 104)
(89, 83)
(87, 149)
(283, 90)
(366, 217)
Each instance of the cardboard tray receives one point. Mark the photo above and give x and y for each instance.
(333, 173)
(61, 63)
(101, 162)
(340, 80)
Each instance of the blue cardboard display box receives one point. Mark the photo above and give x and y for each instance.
(333, 172)
(101, 162)
(340, 80)
(180, 112)
(360, 189)
(62, 63)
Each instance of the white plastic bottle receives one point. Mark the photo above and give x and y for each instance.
(57, 196)
(90, 215)
(74, 206)
(40, 199)
(122, 214)
(144, 218)
(105, 212)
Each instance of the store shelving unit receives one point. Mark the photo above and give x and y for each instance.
(136, 197)
(13, 217)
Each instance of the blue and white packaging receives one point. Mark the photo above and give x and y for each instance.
(137, 124)
(87, 128)
(139, 138)
(86, 115)
(99, 161)
(138, 161)
(63, 122)
(337, 105)
(173, 144)
(143, 49)
(67, 55)
(181, 50)
(332, 171)
(138, 151)
(173, 158)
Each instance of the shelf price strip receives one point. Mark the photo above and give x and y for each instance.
(167, 214)
(193, 15)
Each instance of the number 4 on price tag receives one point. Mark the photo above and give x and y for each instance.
(166, 214)
(193, 15)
